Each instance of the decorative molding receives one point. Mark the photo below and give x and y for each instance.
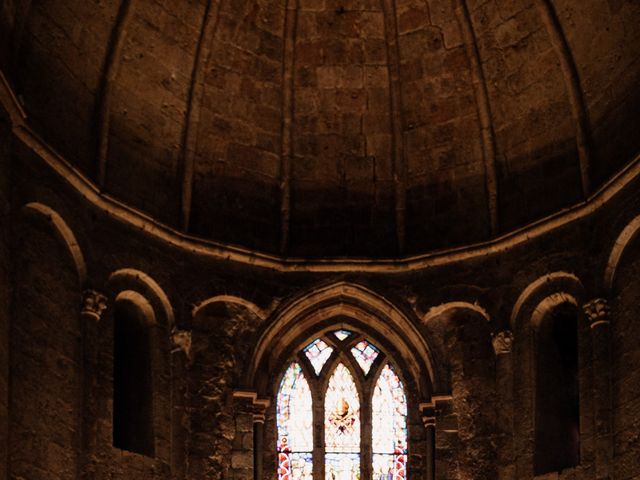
(94, 304)
(597, 311)
(502, 342)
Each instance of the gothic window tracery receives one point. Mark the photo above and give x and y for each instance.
(344, 389)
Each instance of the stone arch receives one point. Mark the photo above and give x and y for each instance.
(140, 302)
(63, 233)
(534, 296)
(355, 306)
(445, 316)
(129, 279)
(624, 239)
(450, 308)
(230, 299)
(461, 332)
(541, 299)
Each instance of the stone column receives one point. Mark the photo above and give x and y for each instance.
(502, 346)
(246, 454)
(429, 421)
(440, 407)
(597, 312)
(94, 304)
(260, 406)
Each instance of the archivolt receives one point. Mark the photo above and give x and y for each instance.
(352, 303)
(546, 291)
(63, 233)
(451, 307)
(625, 238)
(251, 307)
(140, 282)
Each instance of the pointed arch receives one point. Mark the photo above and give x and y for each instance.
(354, 305)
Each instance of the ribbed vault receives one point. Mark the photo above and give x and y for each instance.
(361, 128)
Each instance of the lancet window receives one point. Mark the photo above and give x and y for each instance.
(341, 412)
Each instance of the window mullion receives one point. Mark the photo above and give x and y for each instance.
(318, 432)
(366, 455)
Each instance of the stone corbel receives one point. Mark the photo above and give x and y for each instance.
(502, 342)
(597, 311)
(94, 304)
(181, 342)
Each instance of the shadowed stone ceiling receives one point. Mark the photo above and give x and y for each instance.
(317, 128)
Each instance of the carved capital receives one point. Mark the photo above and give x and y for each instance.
(93, 304)
(429, 421)
(502, 342)
(181, 342)
(597, 311)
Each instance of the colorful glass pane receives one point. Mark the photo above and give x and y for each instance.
(389, 427)
(342, 334)
(365, 354)
(342, 413)
(295, 466)
(318, 352)
(342, 466)
(295, 426)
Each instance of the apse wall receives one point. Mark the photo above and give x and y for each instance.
(5, 288)
(46, 376)
(626, 366)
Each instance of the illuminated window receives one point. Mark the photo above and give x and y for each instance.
(333, 377)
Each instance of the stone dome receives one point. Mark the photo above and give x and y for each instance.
(333, 128)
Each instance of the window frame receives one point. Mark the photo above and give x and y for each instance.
(365, 386)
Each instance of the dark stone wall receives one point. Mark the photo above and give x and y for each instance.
(45, 357)
(626, 366)
(5, 287)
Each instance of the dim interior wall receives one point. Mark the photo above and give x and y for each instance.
(626, 365)
(45, 357)
(471, 359)
(5, 290)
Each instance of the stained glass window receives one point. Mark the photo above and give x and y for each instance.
(342, 334)
(389, 432)
(365, 354)
(318, 352)
(295, 426)
(342, 427)
(337, 389)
